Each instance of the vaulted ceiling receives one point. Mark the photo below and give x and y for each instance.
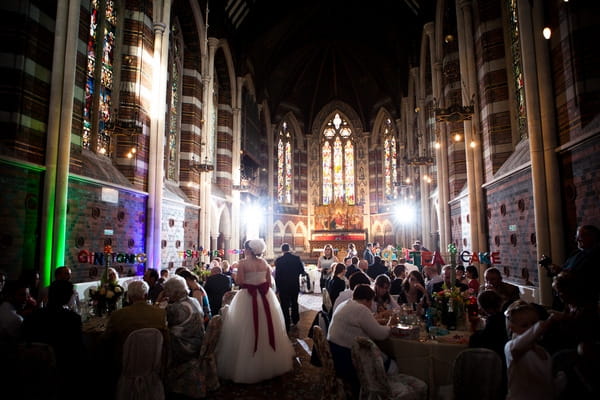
(304, 54)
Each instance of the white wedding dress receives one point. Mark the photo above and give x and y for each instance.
(237, 359)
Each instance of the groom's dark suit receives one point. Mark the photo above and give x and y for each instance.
(288, 269)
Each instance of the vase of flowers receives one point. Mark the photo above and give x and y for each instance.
(450, 303)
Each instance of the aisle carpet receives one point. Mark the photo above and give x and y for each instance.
(304, 382)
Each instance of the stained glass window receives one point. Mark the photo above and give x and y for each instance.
(337, 152)
(99, 77)
(390, 159)
(175, 62)
(284, 165)
(517, 66)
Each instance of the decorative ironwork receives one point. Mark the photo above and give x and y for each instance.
(420, 161)
(454, 113)
(202, 167)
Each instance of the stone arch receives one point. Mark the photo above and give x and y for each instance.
(327, 111)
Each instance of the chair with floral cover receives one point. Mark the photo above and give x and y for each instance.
(208, 365)
(140, 376)
(333, 388)
(375, 383)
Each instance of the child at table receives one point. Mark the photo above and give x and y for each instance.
(529, 365)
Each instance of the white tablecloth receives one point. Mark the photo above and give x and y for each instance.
(430, 361)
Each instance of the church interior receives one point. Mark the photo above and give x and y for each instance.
(171, 131)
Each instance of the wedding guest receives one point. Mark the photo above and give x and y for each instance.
(15, 296)
(164, 275)
(472, 278)
(433, 277)
(139, 314)
(288, 269)
(32, 279)
(414, 291)
(151, 278)
(337, 284)
(352, 252)
(351, 266)
(325, 263)
(493, 281)
(217, 284)
(460, 274)
(186, 332)
(353, 319)
(197, 291)
(61, 328)
(399, 276)
(357, 278)
(377, 268)
(529, 366)
(446, 282)
(226, 270)
(368, 254)
(493, 336)
(383, 303)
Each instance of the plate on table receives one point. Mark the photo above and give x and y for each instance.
(454, 338)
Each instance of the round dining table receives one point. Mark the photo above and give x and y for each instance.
(430, 360)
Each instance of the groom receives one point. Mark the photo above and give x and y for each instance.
(288, 269)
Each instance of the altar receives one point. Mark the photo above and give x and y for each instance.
(339, 240)
(338, 224)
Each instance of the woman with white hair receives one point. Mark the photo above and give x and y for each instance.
(186, 331)
(254, 345)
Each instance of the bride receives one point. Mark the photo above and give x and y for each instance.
(254, 345)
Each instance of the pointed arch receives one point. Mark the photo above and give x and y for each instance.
(384, 129)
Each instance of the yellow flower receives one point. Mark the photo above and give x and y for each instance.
(118, 289)
(102, 291)
(109, 294)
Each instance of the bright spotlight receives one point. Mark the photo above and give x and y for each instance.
(254, 218)
(406, 213)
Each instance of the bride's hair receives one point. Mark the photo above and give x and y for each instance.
(256, 246)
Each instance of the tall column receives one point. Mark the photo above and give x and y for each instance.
(157, 130)
(58, 146)
(542, 140)
(423, 185)
(208, 129)
(236, 173)
(473, 154)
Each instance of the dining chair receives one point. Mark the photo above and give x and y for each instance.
(140, 375)
(375, 383)
(477, 375)
(333, 387)
(208, 364)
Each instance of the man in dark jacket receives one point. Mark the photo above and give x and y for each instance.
(288, 269)
(377, 268)
(217, 284)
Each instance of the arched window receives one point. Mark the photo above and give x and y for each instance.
(174, 103)
(389, 161)
(517, 68)
(284, 165)
(99, 76)
(337, 151)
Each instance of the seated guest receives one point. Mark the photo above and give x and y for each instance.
(413, 290)
(196, 291)
(447, 281)
(351, 266)
(399, 275)
(493, 281)
(432, 277)
(14, 299)
(353, 319)
(472, 278)
(217, 284)
(186, 331)
(337, 283)
(383, 303)
(377, 268)
(164, 275)
(493, 336)
(363, 266)
(139, 314)
(460, 275)
(151, 278)
(357, 278)
(226, 268)
(60, 327)
(529, 366)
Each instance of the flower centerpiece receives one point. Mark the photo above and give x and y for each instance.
(450, 304)
(106, 296)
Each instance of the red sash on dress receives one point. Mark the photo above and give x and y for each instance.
(263, 289)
